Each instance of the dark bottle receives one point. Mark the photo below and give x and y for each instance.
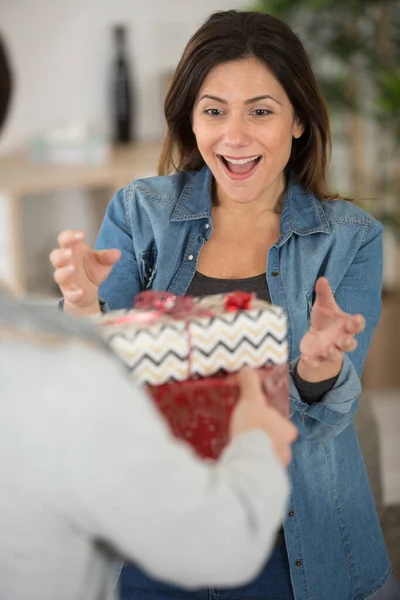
(121, 90)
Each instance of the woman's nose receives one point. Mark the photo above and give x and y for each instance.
(235, 134)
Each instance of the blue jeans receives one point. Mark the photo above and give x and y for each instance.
(272, 584)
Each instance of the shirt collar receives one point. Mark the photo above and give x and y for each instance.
(302, 212)
(195, 199)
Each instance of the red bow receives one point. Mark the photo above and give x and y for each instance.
(238, 301)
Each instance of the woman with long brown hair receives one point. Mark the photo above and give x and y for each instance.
(242, 202)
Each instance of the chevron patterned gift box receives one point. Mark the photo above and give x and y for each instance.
(187, 352)
(167, 338)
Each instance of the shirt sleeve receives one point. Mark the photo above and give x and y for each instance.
(312, 391)
(124, 281)
(183, 520)
(356, 293)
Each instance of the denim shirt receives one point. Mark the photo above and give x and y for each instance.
(334, 541)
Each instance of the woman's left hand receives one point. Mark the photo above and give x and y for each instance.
(331, 334)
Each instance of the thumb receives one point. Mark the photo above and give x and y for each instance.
(107, 258)
(250, 385)
(324, 292)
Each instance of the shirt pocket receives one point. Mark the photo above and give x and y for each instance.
(149, 268)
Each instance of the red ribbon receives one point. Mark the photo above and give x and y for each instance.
(165, 303)
(152, 305)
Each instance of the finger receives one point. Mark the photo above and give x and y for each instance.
(272, 386)
(355, 324)
(288, 432)
(283, 453)
(70, 236)
(282, 433)
(287, 456)
(73, 296)
(274, 376)
(334, 354)
(60, 257)
(349, 344)
(292, 432)
(324, 292)
(107, 258)
(311, 360)
(250, 384)
(63, 276)
(282, 426)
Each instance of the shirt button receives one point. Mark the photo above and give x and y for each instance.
(190, 257)
(207, 225)
(298, 563)
(274, 273)
(291, 513)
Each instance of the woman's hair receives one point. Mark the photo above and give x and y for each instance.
(232, 35)
(5, 83)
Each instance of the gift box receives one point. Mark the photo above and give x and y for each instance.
(167, 338)
(187, 351)
(199, 410)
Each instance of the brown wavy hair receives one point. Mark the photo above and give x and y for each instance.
(234, 35)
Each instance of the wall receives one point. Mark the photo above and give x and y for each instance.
(62, 51)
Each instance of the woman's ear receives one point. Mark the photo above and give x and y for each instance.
(298, 128)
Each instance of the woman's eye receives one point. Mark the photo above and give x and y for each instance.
(261, 112)
(213, 112)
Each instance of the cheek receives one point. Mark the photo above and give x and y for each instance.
(279, 137)
(205, 138)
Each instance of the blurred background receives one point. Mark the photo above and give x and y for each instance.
(87, 118)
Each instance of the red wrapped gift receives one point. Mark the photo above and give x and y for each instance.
(199, 410)
(187, 351)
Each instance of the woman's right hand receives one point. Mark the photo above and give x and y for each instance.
(254, 411)
(80, 270)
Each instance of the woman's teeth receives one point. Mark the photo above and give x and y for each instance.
(240, 161)
(240, 166)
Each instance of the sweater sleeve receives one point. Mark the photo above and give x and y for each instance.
(183, 520)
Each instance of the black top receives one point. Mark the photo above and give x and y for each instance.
(202, 285)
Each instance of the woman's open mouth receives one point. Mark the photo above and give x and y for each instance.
(239, 168)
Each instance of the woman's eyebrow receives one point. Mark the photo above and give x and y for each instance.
(249, 101)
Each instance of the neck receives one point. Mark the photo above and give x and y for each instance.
(270, 201)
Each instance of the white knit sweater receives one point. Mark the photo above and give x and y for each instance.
(89, 472)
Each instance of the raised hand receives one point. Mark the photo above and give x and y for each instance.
(253, 411)
(332, 332)
(79, 271)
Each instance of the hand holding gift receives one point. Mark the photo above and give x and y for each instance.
(253, 411)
